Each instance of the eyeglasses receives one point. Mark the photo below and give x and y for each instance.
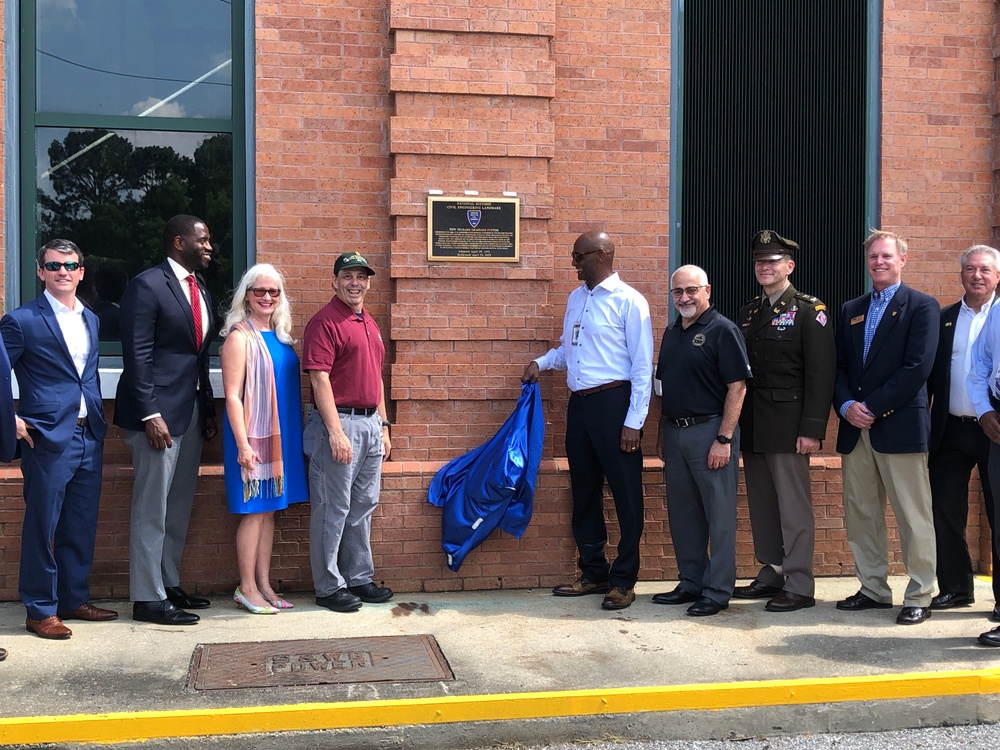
(690, 291)
(261, 292)
(579, 256)
(54, 265)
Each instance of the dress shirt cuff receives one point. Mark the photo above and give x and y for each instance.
(635, 421)
(845, 406)
(151, 416)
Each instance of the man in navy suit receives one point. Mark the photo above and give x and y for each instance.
(957, 440)
(165, 407)
(52, 345)
(8, 427)
(886, 341)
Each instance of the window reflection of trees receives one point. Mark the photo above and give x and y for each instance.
(113, 201)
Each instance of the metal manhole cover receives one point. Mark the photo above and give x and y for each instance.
(390, 658)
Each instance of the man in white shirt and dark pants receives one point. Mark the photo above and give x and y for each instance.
(607, 351)
(957, 442)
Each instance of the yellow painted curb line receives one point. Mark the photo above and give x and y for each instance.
(133, 727)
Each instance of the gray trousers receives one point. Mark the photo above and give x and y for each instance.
(342, 498)
(701, 505)
(162, 496)
(779, 494)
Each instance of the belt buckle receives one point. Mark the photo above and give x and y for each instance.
(685, 422)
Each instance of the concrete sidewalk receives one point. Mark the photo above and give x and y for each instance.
(528, 667)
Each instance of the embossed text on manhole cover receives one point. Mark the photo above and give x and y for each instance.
(389, 658)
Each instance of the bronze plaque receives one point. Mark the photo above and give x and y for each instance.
(389, 658)
(473, 229)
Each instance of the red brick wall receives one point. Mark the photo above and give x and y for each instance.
(361, 110)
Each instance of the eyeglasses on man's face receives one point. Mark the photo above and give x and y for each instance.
(577, 257)
(55, 265)
(690, 291)
(275, 293)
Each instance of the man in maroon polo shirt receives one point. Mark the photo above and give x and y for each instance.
(346, 438)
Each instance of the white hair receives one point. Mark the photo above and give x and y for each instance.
(239, 309)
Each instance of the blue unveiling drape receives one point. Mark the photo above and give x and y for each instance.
(492, 485)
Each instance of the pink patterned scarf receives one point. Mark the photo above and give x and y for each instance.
(260, 417)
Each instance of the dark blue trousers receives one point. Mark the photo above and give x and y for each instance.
(61, 495)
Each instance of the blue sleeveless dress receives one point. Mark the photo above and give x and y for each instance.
(286, 377)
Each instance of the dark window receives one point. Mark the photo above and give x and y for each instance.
(773, 137)
(131, 117)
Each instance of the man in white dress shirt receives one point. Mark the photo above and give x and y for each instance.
(52, 344)
(957, 441)
(606, 349)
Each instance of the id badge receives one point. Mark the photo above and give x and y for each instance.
(575, 338)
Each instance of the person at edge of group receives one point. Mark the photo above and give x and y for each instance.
(606, 348)
(52, 346)
(886, 341)
(8, 424)
(165, 407)
(957, 441)
(789, 340)
(262, 434)
(703, 367)
(983, 388)
(346, 438)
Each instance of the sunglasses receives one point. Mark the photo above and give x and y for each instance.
(275, 293)
(54, 265)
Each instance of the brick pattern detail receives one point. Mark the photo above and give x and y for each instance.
(361, 108)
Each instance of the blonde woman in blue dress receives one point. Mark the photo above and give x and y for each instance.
(262, 432)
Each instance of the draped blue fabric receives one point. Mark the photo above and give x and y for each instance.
(493, 485)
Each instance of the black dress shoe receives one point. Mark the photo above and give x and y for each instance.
(913, 615)
(756, 590)
(162, 613)
(995, 615)
(786, 601)
(677, 596)
(991, 638)
(180, 598)
(860, 601)
(706, 607)
(370, 593)
(947, 601)
(340, 600)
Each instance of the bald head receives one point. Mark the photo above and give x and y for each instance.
(593, 257)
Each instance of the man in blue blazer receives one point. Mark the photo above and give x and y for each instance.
(52, 345)
(165, 408)
(8, 427)
(886, 341)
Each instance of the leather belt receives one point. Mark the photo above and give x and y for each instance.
(356, 411)
(80, 421)
(962, 418)
(692, 421)
(599, 388)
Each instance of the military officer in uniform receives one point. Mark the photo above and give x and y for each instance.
(792, 354)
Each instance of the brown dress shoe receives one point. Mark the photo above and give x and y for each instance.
(88, 611)
(580, 587)
(618, 598)
(50, 628)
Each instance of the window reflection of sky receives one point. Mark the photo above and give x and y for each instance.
(125, 55)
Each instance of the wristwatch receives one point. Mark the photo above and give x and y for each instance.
(386, 423)
(723, 439)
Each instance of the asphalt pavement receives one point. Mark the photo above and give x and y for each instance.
(528, 668)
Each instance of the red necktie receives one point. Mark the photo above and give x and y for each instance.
(195, 310)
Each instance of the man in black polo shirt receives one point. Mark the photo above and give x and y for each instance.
(703, 367)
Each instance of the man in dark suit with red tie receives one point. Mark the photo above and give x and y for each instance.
(52, 345)
(165, 407)
(886, 341)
